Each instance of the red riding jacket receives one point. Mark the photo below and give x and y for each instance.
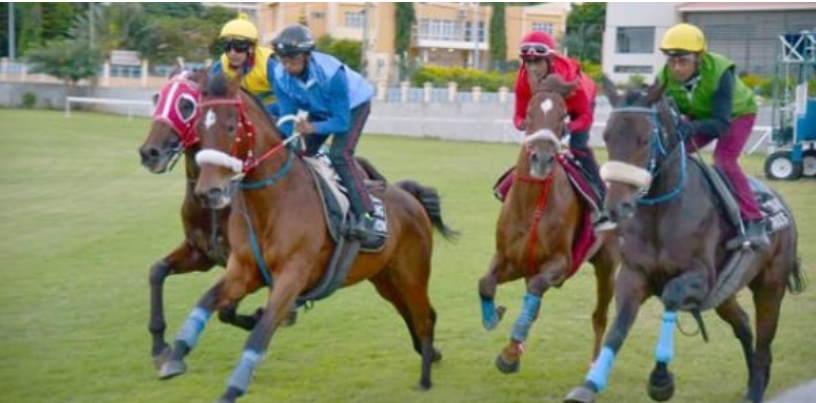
(579, 103)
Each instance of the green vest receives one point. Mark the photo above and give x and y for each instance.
(698, 103)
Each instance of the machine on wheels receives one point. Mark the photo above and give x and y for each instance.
(792, 150)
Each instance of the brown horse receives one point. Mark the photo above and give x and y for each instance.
(544, 232)
(205, 242)
(280, 237)
(675, 245)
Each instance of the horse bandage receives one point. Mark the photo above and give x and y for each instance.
(616, 171)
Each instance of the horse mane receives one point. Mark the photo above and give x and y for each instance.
(219, 85)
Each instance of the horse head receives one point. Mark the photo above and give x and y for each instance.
(231, 148)
(176, 109)
(544, 123)
(639, 136)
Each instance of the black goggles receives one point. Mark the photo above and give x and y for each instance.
(237, 45)
(531, 50)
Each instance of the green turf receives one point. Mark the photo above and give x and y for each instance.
(81, 223)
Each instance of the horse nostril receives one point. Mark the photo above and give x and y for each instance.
(627, 209)
(149, 153)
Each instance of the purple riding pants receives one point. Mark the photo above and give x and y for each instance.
(726, 153)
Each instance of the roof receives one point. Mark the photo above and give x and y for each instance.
(715, 7)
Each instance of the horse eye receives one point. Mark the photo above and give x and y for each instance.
(186, 108)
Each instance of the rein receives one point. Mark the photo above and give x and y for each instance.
(658, 155)
(541, 204)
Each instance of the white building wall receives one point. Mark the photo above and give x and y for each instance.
(660, 16)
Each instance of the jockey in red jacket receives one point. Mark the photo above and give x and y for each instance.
(539, 59)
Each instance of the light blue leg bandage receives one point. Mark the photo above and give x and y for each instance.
(526, 317)
(664, 351)
(599, 374)
(243, 372)
(489, 318)
(193, 326)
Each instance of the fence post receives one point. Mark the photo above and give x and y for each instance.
(382, 90)
(503, 95)
(426, 92)
(106, 73)
(404, 88)
(24, 73)
(452, 91)
(4, 66)
(477, 94)
(145, 67)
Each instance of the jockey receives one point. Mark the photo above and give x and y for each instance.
(242, 55)
(338, 101)
(717, 105)
(539, 59)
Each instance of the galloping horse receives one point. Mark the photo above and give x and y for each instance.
(544, 232)
(675, 245)
(280, 237)
(205, 243)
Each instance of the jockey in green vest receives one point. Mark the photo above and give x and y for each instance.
(717, 106)
(243, 55)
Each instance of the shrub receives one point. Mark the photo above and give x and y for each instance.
(466, 79)
(29, 100)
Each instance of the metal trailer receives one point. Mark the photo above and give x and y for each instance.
(792, 149)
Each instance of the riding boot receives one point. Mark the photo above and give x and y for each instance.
(363, 228)
(755, 234)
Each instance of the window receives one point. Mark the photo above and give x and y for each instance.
(635, 40)
(633, 69)
(543, 27)
(354, 19)
(469, 35)
(442, 30)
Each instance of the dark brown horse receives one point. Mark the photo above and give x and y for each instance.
(675, 238)
(544, 232)
(205, 242)
(280, 237)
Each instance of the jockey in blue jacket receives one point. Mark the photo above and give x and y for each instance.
(338, 101)
(243, 55)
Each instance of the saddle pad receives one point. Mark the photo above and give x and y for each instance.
(579, 180)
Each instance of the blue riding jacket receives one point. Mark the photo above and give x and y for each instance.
(329, 91)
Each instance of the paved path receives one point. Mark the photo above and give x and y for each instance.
(805, 393)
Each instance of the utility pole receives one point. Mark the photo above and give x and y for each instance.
(91, 25)
(475, 33)
(364, 47)
(11, 39)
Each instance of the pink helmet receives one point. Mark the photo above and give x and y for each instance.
(536, 44)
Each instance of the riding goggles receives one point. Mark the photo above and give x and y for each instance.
(237, 45)
(534, 50)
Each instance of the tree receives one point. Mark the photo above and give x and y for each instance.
(585, 26)
(498, 38)
(180, 10)
(347, 50)
(66, 59)
(405, 18)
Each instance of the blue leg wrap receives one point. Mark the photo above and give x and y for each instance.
(599, 374)
(489, 318)
(243, 372)
(193, 326)
(526, 317)
(664, 351)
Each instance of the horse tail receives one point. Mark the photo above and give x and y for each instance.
(430, 200)
(370, 172)
(796, 277)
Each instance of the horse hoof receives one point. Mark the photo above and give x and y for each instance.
(437, 355)
(423, 386)
(162, 357)
(661, 391)
(172, 368)
(507, 367)
(581, 394)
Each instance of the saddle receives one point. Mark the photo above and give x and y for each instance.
(336, 210)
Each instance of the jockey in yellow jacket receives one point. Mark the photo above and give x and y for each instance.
(243, 55)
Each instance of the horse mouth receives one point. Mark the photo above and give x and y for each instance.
(157, 160)
(216, 197)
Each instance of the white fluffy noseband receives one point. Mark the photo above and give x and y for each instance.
(616, 171)
(215, 157)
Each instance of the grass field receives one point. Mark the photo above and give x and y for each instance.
(82, 221)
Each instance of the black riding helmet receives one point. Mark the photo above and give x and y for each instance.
(293, 40)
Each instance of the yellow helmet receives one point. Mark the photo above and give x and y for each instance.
(240, 27)
(683, 38)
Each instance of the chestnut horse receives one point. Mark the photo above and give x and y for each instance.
(280, 239)
(675, 241)
(544, 232)
(205, 242)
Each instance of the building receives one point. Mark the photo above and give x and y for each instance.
(447, 34)
(748, 33)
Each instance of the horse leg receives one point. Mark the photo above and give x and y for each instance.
(768, 293)
(605, 262)
(732, 313)
(631, 289)
(288, 285)
(508, 361)
(183, 259)
(491, 315)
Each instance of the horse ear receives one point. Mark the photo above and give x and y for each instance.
(655, 92)
(556, 83)
(610, 90)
